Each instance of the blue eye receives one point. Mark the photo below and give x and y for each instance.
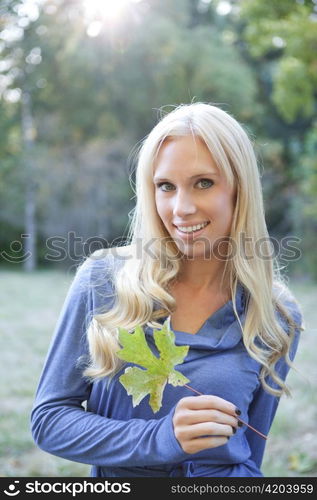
(209, 182)
(164, 184)
(165, 189)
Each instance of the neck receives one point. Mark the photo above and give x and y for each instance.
(203, 275)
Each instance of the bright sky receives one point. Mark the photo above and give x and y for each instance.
(96, 13)
(106, 9)
(99, 11)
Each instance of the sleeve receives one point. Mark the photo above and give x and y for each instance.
(59, 423)
(264, 405)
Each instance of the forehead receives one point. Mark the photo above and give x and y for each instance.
(184, 153)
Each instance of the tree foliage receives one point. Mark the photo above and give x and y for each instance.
(95, 94)
(282, 38)
(286, 32)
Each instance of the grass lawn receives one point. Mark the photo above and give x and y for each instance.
(30, 306)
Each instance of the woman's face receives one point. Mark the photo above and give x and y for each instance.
(191, 191)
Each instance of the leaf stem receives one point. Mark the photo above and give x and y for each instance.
(238, 418)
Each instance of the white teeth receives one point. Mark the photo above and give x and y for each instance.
(190, 229)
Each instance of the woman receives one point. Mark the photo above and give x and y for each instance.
(199, 255)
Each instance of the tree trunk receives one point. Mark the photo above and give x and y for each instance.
(29, 238)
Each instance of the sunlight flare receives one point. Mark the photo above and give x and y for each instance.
(105, 9)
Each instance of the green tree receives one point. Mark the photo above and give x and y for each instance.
(282, 38)
(286, 32)
(93, 97)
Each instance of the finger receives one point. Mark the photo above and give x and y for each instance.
(199, 444)
(207, 429)
(199, 416)
(210, 402)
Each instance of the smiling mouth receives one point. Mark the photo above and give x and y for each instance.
(192, 229)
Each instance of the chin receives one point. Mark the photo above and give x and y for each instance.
(192, 254)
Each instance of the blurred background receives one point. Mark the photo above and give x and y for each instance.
(81, 83)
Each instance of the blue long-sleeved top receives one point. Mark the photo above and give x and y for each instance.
(119, 440)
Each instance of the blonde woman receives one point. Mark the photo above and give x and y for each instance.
(199, 256)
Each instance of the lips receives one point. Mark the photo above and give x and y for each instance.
(192, 229)
(191, 234)
(190, 224)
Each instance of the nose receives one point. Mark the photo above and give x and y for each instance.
(183, 205)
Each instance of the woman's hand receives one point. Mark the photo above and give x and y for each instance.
(208, 416)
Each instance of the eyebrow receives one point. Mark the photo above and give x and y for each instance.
(204, 174)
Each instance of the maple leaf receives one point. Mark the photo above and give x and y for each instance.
(157, 371)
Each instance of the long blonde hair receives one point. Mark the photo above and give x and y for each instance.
(144, 278)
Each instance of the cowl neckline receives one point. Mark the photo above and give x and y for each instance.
(221, 331)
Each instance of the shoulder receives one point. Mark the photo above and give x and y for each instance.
(96, 274)
(103, 263)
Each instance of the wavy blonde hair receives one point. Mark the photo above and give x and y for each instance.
(144, 280)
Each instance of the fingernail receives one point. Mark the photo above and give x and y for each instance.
(240, 424)
(238, 412)
(234, 430)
